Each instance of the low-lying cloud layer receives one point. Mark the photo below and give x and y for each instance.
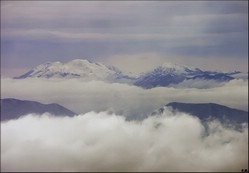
(107, 142)
(198, 83)
(82, 97)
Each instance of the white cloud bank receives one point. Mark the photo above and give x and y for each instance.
(124, 99)
(199, 83)
(106, 142)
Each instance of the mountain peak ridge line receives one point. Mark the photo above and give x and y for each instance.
(164, 75)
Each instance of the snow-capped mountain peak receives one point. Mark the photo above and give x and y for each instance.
(171, 65)
(80, 63)
(168, 74)
(52, 66)
(176, 68)
(172, 74)
(78, 68)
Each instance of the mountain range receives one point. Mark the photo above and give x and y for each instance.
(205, 111)
(78, 68)
(167, 74)
(14, 108)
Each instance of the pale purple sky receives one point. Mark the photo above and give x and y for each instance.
(135, 36)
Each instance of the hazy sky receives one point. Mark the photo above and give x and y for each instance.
(135, 36)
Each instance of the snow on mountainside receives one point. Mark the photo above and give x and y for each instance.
(169, 74)
(177, 69)
(77, 68)
(239, 75)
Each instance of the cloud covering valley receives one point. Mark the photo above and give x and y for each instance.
(123, 99)
(107, 142)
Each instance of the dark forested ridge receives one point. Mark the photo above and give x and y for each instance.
(14, 108)
(207, 110)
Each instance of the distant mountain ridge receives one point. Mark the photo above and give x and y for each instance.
(78, 68)
(205, 111)
(168, 74)
(14, 108)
